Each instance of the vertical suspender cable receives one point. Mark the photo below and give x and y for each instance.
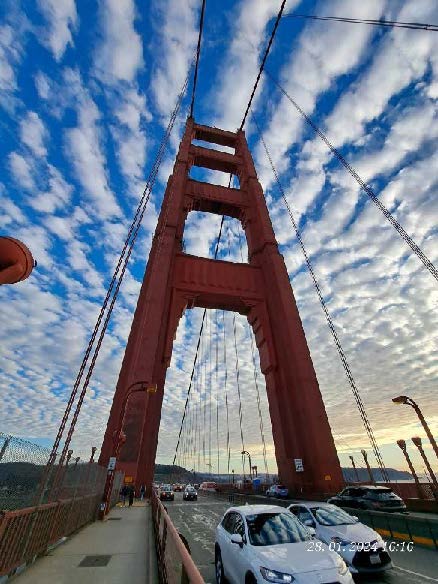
(325, 309)
(259, 408)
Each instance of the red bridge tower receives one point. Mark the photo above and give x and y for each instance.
(175, 281)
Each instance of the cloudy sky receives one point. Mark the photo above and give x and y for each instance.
(86, 90)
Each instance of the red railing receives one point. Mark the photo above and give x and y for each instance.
(175, 565)
(29, 532)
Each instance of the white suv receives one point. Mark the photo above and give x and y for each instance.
(266, 543)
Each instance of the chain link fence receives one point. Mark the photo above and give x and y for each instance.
(40, 505)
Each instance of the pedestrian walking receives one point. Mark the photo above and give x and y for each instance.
(142, 492)
(131, 496)
(123, 494)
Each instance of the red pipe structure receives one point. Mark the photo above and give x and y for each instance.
(16, 261)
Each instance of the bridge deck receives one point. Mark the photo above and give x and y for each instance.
(125, 538)
(197, 522)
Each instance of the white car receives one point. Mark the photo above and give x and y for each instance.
(361, 547)
(256, 544)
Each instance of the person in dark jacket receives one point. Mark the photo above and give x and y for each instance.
(131, 496)
(124, 494)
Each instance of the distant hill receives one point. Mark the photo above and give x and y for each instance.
(24, 475)
(167, 472)
(393, 474)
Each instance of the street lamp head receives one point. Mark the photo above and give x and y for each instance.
(402, 444)
(401, 399)
(417, 441)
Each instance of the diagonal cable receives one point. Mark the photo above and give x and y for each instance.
(370, 21)
(198, 53)
(262, 64)
(368, 190)
(342, 355)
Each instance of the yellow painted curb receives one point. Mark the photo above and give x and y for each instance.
(427, 541)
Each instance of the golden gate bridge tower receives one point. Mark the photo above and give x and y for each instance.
(175, 281)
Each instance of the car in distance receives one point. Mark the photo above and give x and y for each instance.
(369, 497)
(190, 494)
(361, 547)
(278, 491)
(208, 486)
(256, 544)
(177, 488)
(166, 493)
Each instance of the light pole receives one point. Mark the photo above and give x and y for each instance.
(365, 457)
(118, 440)
(250, 464)
(417, 441)
(406, 400)
(402, 445)
(355, 469)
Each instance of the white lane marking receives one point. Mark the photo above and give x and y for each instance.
(416, 574)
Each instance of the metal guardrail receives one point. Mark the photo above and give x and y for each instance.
(27, 533)
(30, 519)
(175, 565)
(405, 527)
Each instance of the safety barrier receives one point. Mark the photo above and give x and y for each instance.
(406, 527)
(175, 565)
(34, 515)
(27, 533)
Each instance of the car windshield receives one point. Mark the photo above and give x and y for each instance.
(191, 489)
(382, 495)
(332, 516)
(166, 488)
(274, 529)
(281, 487)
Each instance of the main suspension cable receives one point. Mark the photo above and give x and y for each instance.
(370, 21)
(262, 65)
(341, 352)
(368, 190)
(123, 259)
(198, 53)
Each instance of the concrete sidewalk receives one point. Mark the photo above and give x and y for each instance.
(122, 546)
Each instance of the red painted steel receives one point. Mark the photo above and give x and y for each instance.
(16, 261)
(175, 281)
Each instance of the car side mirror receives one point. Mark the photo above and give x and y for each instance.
(237, 538)
(355, 517)
(311, 530)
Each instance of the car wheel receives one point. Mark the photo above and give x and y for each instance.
(220, 576)
(250, 579)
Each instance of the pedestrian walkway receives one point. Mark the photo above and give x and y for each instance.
(119, 549)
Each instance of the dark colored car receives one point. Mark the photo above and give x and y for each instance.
(166, 493)
(279, 491)
(369, 497)
(190, 494)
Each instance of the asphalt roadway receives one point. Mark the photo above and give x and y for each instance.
(197, 522)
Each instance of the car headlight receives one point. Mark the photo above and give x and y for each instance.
(342, 566)
(274, 576)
